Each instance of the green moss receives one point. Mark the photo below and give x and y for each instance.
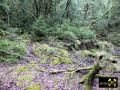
(66, 60)
(21, 69)
(63, 57)
(56, 55)
(56, 61)
(32, 64)
(34, 87)
(26, 78)
(40, 49)
(87, 53)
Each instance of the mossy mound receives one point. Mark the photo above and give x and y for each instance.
(87, 53)
(55, 55)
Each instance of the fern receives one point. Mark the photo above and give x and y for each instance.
(11, 51)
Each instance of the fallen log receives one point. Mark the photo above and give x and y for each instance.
(70, 70)
(88, 79)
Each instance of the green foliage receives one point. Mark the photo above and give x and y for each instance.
(68, 35)
(66, 30)
(87, 33)
(57, 31)
(4, 6)
(40, 27)
(72, 32)
(3, 25)
(11, 51)
(14, 31)
(115, 38)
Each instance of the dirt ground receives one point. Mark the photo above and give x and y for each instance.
(29, 74)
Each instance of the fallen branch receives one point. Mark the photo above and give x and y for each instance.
(70, 70)
(89, 78)
(102, 76)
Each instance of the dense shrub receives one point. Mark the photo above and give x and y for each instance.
(71, 32)
(66, 30)
(3, 25)
(11, 51)
(68, 35)
(40, 27)
(57, 31)
(115, 38)
(86, 33)
(14, 31)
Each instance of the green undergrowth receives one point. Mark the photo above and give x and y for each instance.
(52, 54)
(25, 68)
(102, 46)
(11, 51)
(64, 31)
(115, 38)
(69, 32)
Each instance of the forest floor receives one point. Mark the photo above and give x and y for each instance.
(30, 74)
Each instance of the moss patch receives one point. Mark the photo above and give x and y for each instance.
(87, 53)
(34, 87)
(55, 55)
(21, 69)
(28, 78)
